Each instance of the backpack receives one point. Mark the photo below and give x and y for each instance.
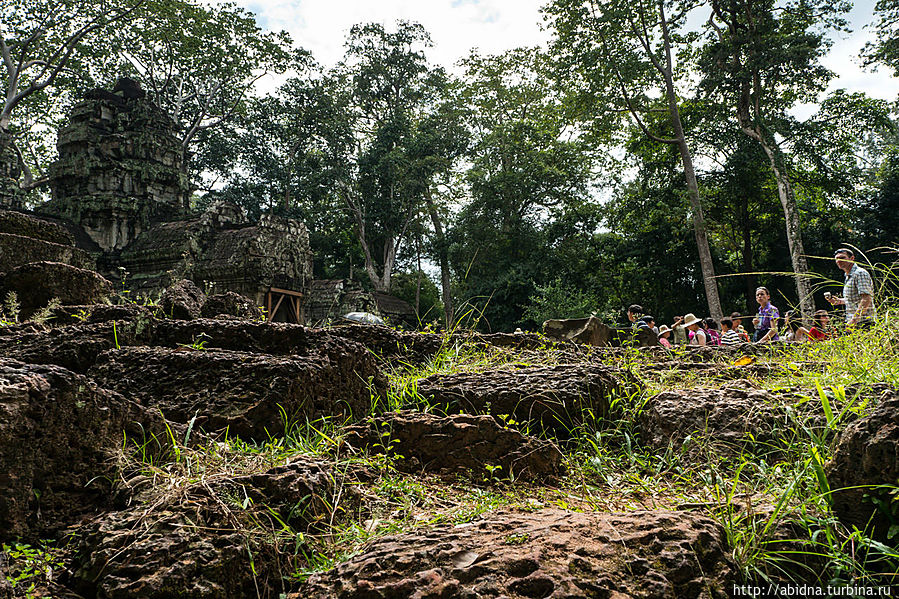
(714, 337)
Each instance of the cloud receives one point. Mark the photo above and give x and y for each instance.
(456, 26)
(493, 26)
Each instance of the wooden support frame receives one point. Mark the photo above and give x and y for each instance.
(293, 312)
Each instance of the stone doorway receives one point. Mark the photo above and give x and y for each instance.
(284, 305)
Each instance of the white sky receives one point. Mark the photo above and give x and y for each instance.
(492, 26)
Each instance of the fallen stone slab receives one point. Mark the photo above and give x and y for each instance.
(551, 398)
(19, 250)
(74, 347)
(250, 394)
(592, 331)
(727, 420)
(77, 347)
(182, 300)
(17, 223)
(213, 539)
(58, 432)
(276, 338)
(865, 468)
(94, 313)
(459, 443)
(230, 304)
(415, 348)
(549, 553)
(388, 344)
(39, 282)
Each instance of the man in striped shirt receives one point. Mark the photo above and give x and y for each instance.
(858, 291)
(728, 335)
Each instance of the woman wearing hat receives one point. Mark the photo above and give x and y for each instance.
(664, 335)
(693, 324)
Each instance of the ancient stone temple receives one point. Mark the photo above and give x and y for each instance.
(10, 194)
(120, 167)
(121, 204)
(220, 252)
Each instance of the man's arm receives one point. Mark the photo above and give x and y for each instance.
(865, 302)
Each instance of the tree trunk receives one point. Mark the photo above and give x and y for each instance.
(794, 231)
(699, 229)
(10, 172)
(418, 277)
(748, 257)
(788, 202)
(443, 259)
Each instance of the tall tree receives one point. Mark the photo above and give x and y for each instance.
(198, 63)
(393, 90)
(621, 56)
(530, 177)
(885, 49)
(42, 42)
(765, 60)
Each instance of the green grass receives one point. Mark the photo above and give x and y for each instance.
(772, 498)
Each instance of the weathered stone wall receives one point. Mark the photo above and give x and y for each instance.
(328, 298)
(219, 253)
(119, 169)
(10, 194)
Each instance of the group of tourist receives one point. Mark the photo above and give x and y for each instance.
(858, 299)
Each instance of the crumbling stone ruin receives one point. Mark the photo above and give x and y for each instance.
(121, 205)
(120, 169)
(10, 195)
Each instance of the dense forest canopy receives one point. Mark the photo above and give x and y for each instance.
(655, 153)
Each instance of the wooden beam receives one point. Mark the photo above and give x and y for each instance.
(278, 305)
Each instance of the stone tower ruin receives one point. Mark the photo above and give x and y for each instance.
(120, 167)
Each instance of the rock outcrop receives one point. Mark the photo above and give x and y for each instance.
(37, 283)
(209, 540)
(74, 347)
(552, 398)
(183, 300)
(250, 394)
(549, 553)
(25, 239)
(725, 421)
(58, 431)
(865, 468)
(475, 445)
(230, 304)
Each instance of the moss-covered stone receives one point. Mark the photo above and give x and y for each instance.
(120, 168)
(18, 223)
(18, 250)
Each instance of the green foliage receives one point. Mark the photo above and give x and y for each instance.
(198, 63)
(430, 309)
(558, 300)
(885, 49)
(50, 48)
(530, 183)
(9, 311)
(29, 566)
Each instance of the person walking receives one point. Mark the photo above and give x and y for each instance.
(858, 291)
